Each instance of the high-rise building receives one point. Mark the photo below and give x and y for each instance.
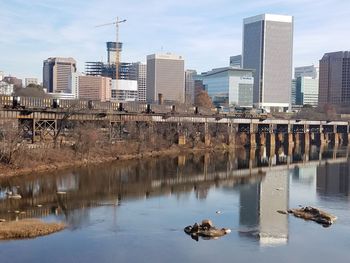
(141, 77)
(189, 85)
(236, 61)
(229, 86)
(306, 71)
(95, 88)
(28, 81)
(1, 75)
(268, 49)
(165, 75)
(57, 73)
(334, 86)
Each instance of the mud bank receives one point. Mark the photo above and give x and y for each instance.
(10, 171)
(28, 228)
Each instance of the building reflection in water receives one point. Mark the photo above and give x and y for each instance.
(333, 179)
(258, 209)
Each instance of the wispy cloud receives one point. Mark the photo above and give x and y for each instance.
(205, 32)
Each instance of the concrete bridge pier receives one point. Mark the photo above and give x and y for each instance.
(207, 137)
(261, 139)
(231, 135)
(290, 139)
(307, 139)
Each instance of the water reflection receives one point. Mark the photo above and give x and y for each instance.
(260, 176)
(333, 179)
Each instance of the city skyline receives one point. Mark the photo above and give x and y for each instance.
(206, 33)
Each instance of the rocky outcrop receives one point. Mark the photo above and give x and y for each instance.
(205, 230)
(314, 214)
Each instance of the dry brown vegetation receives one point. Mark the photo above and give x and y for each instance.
(28, 228)
(87, 143)
(202, 99)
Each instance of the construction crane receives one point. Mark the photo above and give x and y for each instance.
(117, 45)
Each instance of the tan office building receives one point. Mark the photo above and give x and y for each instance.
(57, 73)
(165, 75)
(95, 88)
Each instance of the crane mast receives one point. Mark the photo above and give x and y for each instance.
(117, 46)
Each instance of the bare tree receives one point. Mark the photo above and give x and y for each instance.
(10, 141)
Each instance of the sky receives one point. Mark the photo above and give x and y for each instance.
(205, 32)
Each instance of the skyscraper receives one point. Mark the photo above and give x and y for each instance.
(57, 73)
(165, 75)
(334, 82)
(268, 49)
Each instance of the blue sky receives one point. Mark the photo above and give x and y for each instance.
(205, 32)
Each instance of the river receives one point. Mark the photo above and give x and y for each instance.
(135, 211)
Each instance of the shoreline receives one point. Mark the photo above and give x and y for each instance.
(9, 171)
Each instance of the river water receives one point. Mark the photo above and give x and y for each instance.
(135, 211)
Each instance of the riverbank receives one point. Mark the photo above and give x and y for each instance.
(28, 228)
(51, 160)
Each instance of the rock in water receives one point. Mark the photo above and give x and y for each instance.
(314, 214)
(206, 223)
(206, 230)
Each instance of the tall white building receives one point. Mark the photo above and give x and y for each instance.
(165, 75)
(268, 49)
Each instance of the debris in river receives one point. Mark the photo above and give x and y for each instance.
(61, 193)
(314, 214)
(218, 212)
(206, 230)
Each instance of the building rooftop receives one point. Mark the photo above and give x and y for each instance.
(165, 56)
(269, 17)
(220, 70)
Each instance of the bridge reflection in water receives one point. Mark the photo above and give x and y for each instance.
(260, 176)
